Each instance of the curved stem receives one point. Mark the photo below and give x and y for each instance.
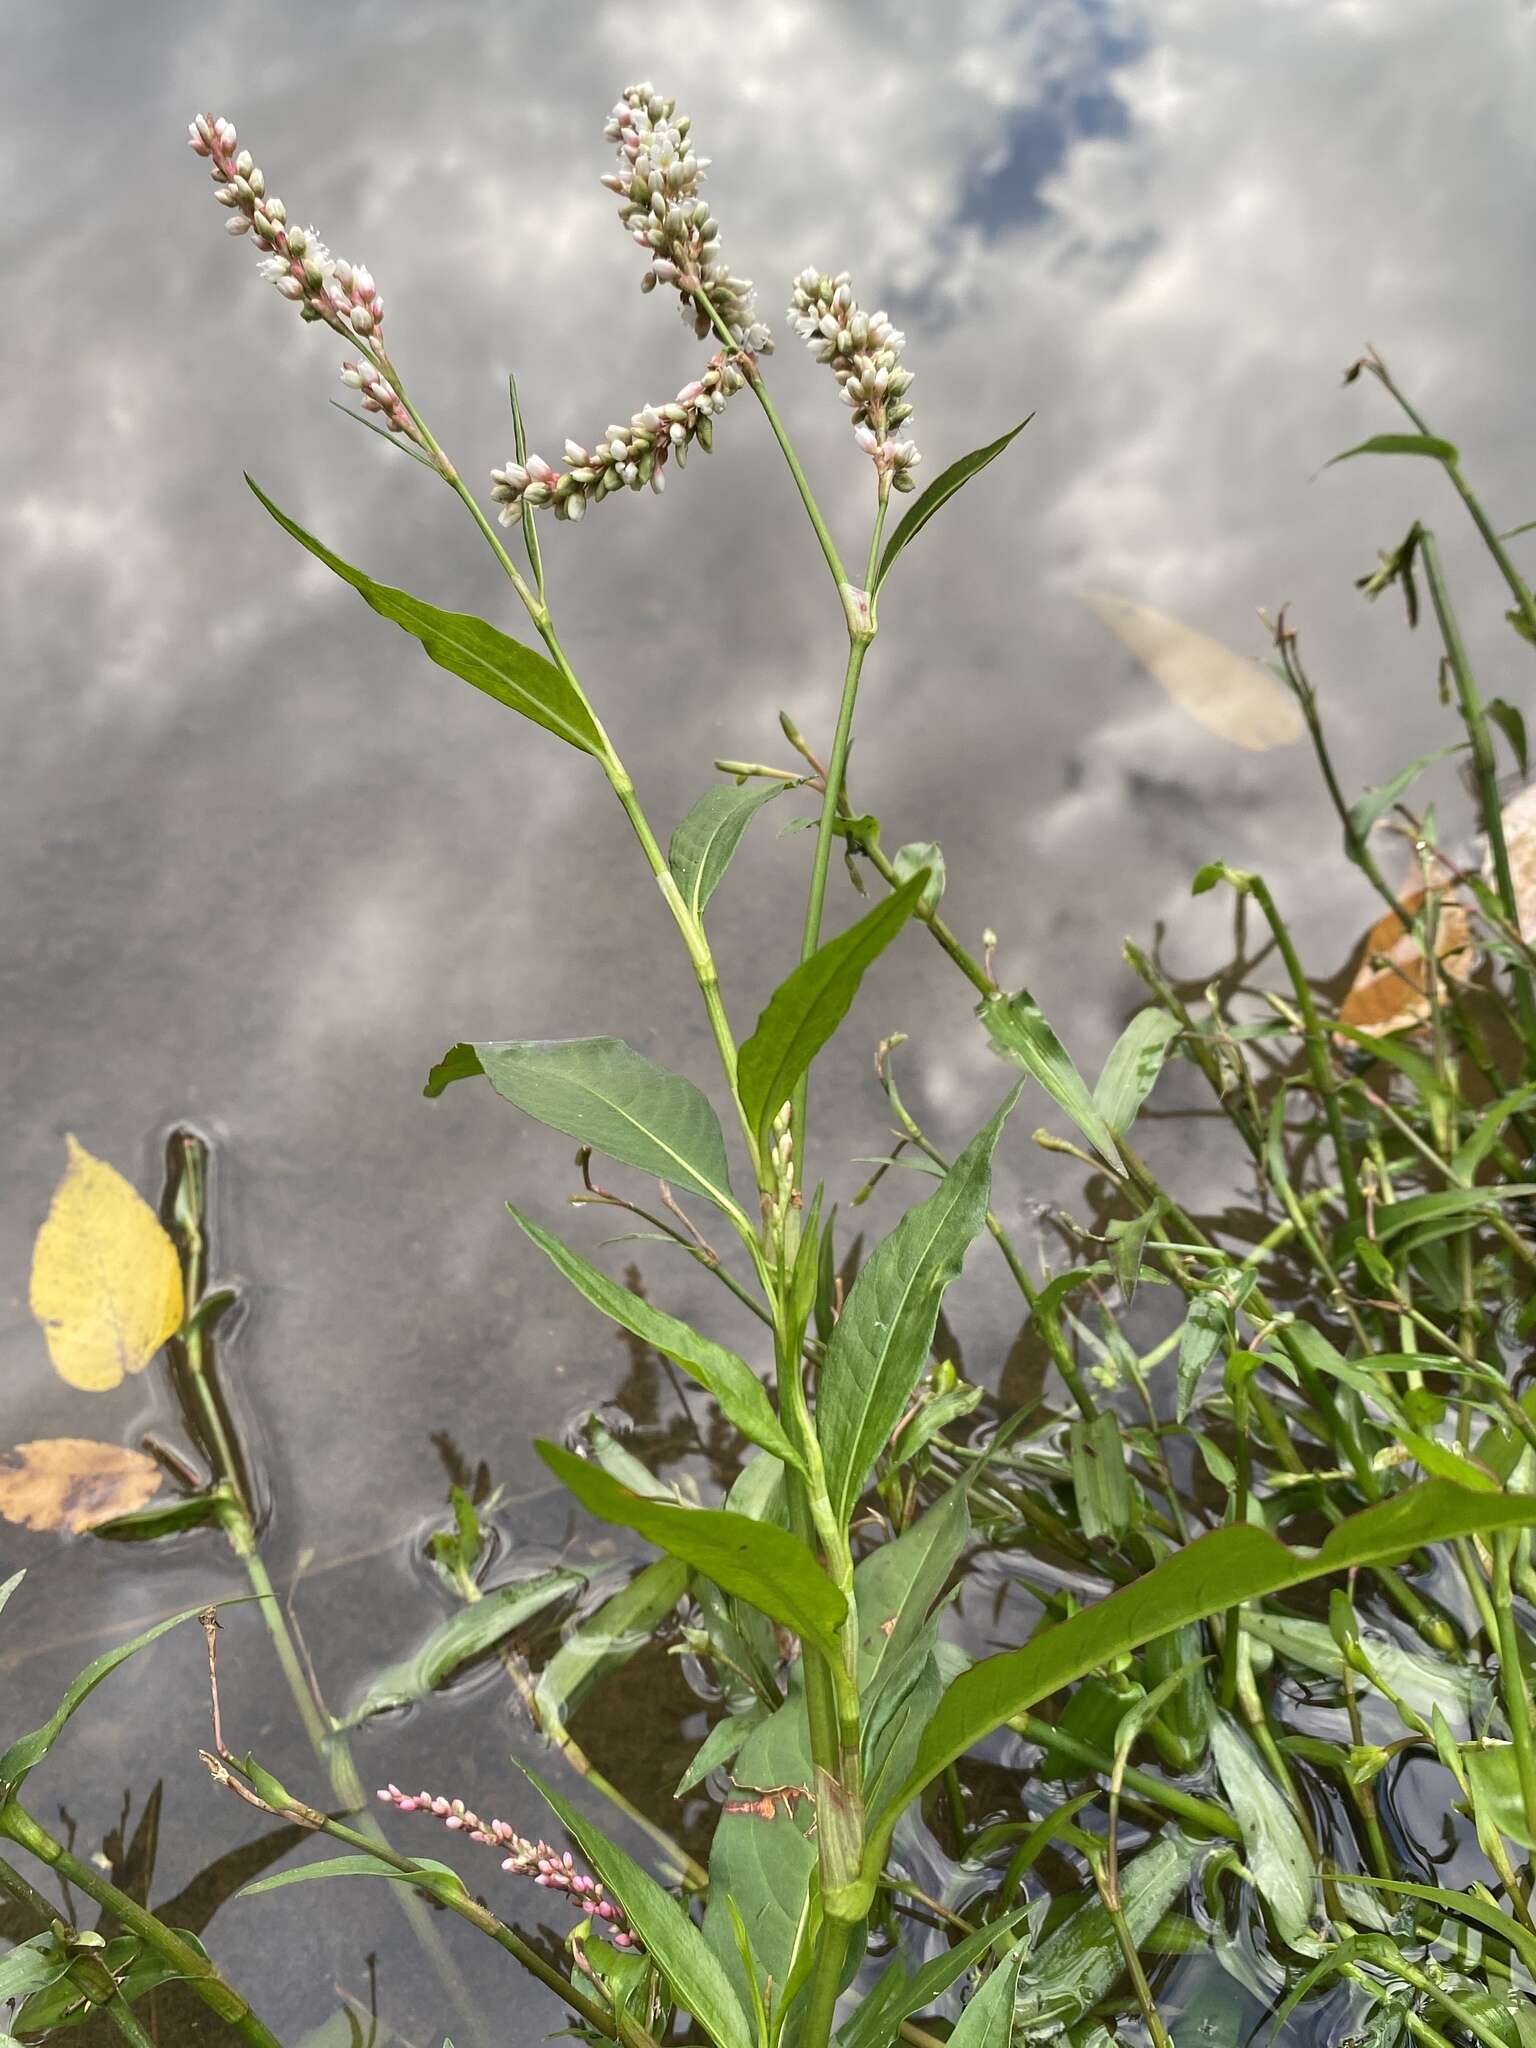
(17, 1825)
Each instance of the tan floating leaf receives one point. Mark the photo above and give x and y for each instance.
(1229, 695)
(106, 1283)
(1390, 989)
(68, 1482)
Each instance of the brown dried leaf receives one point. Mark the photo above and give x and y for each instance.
(1228, 694)
(69, 1482)
(1390, 990)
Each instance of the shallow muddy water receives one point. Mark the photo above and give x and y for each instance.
(264, 864)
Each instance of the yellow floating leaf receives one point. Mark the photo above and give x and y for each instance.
(68, 1482)
(1390, 990)
(1229, 695)
(106, 1282)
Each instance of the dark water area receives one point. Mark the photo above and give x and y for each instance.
(264, 864)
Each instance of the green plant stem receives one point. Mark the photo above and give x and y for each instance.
(1201, 1813)
(18, 1826)
(1473, 716)
(1512, 1679)
(826, 1984)
(1519, 589)
(1323, 1078)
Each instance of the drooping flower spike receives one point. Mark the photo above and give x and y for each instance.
(627, 457)
(323, 287)
(864, 350)
(549, 1868)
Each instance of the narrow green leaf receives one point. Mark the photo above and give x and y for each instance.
(720, 1745)
(1466, 1906)
(1215, 1572)
(1495, 1781)
(728, 1378)
(440, 1877)
(458, 1063)
(1511, 722)
(896, 1585)
(704, 843)
(759, 1562)
(26, 1753)
(674, 1944)
(1274, 1848)
(805, 1010)
(1101, 1486)
(987, 2021)
(606, 1640)
(1474, 1149)
(1400, 444)
(32, 1966)
(938, 494)
(898, 1995)
(603, 1093)
(879, 1346)
(1017, 1027)
(1134, 1063)
(10, 1585)
(463, 1637)
(1365, 810)
(466, 646)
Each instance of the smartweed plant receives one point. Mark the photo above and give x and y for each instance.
(1279, 1535)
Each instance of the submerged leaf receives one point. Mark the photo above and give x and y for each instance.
(1074, 1968)
(463, 1637)
(106, 1282)
(1273, 1845)
(69, 1482)
(1225, 692)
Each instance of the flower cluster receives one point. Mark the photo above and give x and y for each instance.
(864, 350)
(322, 286)
(658, 182)
(546, 1866)
(628, 457)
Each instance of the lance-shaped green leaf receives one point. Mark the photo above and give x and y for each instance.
(10, 1585)
(424, 1871)
(804, 1011)
(896, 1585)
(674, 1944)
(1273, 1845)
(704, 843)
(1019, 1033)
(603, 1093)
(938, 495)
(1216, 1572)
(606, 1640)
(879, 1345)
(466, 646)
(1400, 444)
(1134, 1063)
(757, 1561)
(900, 1993)
(463, 1637)
(987, 2021)
(728, 1378)
(29, 1751)
(1366, 809)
